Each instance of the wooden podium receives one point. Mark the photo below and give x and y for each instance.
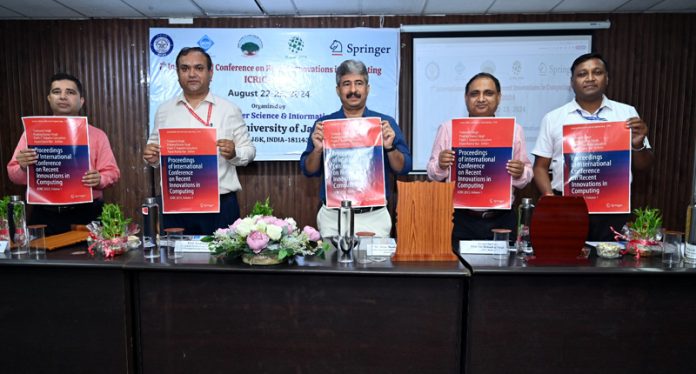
(424, 221)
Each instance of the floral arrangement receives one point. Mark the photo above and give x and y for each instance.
(109, 235)
(263, 239)
(643, 234)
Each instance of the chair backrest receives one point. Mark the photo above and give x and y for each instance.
(424, 221)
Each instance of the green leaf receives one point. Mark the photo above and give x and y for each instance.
(4, 202)
(262, 209)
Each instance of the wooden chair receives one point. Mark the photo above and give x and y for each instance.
(424, 221)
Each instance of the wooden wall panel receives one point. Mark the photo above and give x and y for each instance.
(651, 56)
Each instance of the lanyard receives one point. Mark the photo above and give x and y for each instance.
(210, 112)
(594, 117)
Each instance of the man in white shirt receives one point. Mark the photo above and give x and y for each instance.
(196, 106)
(589, 79)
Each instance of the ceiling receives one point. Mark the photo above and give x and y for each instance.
(85, 9)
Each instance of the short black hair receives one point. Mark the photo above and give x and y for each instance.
(588, 56)
(483, 75)
(186, 50)
(64, 77)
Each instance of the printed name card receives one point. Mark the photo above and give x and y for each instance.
(483, 247)
(191, 246)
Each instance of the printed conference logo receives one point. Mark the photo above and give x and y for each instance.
(161, 45)
(205, 42)
(295, 45)
(250, 45)
(488, 66)
(336, 48)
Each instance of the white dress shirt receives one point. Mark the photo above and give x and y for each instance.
(549, 142)
(225, 117)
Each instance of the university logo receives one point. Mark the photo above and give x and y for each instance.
(516, 67)
(205, 42)
(161, 45)
(336, 48)
(250, 45)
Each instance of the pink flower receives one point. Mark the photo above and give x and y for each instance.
(257, 241)
(312, 233)
(235, 224)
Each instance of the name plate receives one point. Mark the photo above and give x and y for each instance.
(3, 245)
(381, 247)
(191, 246)
(483, 247)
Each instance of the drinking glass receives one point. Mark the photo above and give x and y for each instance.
(173, 235)
(502, 235)
(364, 246)
(671, 248)
(37, 240)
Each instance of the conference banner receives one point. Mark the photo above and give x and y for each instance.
(597, 165)
(354, 162)
(62, 145)
(482, 146)
(282, 79)
(189, 170)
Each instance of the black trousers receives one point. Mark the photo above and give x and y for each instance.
(205, 223)
(58, 219)
(467, 227)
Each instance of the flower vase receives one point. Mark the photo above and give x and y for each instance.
(4, 230)
(643, 247)
(262, 259)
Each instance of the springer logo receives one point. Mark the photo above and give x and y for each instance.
(336, 48)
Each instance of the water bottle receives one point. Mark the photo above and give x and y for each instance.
(17, 222)
(345, 219)
(690, 240)
(524, 221)
(346, 239)
(151, 226)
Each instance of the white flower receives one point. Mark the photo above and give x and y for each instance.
(274, 232)
(261, 226)
(245, 227)
(292, 225)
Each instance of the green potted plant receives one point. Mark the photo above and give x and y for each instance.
(110, 234)
(644, 233)
(4, 225)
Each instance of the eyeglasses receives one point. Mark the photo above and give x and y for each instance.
(594, 117)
